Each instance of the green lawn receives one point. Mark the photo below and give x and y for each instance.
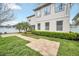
(14, 46)
(67, 47)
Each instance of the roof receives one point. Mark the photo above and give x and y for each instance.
(75, 18)
(39, 7)
(30, 16)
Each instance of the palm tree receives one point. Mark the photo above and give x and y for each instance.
(23, 26)
(19, 26)
(26, 26)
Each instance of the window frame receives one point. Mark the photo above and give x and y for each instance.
(47, 10)
(29, 20)
(39, 26)
(47, 26)
(59, 8)
(38, 13)
(59, 27)
(33, 27)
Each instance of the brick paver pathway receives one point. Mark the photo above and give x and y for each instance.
(45, 47)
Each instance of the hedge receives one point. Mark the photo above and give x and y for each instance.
(77, 38)
(62, 35)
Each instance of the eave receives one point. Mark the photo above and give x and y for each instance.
(42, 6)
(30, 16)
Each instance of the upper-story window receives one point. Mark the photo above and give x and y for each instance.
(59, 7)
(47, 10)
(38, 13)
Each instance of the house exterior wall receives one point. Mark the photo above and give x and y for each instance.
(52, 18)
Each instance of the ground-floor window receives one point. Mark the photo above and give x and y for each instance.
(59, 26)
(47, 26)
(33, 27)
(38, 26)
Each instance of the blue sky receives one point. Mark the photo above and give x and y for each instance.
(22, 10)
(74, 10)
(26, 10)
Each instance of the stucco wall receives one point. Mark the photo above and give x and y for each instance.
(52, 18)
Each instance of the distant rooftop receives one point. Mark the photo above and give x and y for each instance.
(77, 16)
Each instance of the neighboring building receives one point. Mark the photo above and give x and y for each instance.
(76, 19)
(75, 25)
(51, 17)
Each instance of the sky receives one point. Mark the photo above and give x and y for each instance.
(23, 10)
(74, 10)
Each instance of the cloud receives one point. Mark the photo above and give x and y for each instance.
(13, 6)
(10, 22)
(13, 22)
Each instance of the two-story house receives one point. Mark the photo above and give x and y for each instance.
(51, 17)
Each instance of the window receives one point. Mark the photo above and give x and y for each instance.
(59, 7)
(47, 26)
(38, 14)
(59, 25)
(47, 10)
(33, 27)
(29, 20)
(38, 26)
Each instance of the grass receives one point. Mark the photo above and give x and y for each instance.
(14, 46)
(67, 47)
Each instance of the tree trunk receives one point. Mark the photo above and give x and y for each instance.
(19, 31)
(26, 30)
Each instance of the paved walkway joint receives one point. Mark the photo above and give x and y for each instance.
(45, 47)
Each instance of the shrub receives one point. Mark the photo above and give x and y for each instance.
(77, 38)
(62, 35)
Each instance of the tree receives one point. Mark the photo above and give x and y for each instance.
(6, 13)
(19, 27)
(26, 26)
(23, 26)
